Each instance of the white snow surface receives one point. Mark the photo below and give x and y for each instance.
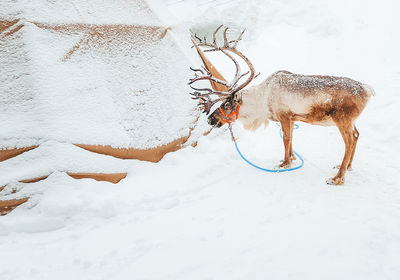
(88, 11)
(202, 213)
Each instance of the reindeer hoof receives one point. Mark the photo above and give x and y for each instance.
(285, 165)
(335, 181)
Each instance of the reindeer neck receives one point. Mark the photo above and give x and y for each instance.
(254, 109)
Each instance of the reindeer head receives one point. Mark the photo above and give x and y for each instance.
(228, 112)
(227, 92)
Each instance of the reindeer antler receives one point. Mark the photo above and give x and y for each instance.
(231, 87)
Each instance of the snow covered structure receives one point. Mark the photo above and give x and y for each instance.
(108, 77)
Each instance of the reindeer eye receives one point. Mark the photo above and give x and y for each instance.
(227, 105)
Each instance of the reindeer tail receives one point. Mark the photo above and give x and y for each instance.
(370, 91)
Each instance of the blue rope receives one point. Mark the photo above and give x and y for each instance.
(265, 169)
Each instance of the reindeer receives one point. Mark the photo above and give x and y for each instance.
(283, 97)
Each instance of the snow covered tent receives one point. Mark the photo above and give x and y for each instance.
(108, 77)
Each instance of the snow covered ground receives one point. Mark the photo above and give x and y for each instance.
(202, 213)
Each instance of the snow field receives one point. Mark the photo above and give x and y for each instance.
(212, 217)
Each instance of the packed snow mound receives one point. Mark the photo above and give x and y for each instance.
(70, 77)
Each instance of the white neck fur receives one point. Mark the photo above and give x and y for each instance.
(254, 109)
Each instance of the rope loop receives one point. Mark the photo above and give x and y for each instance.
(296, 126)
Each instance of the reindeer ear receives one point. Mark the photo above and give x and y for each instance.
(237, 98)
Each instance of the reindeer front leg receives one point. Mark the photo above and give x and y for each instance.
(287, 131)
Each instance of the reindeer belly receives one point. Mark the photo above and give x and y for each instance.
(320, 114)
(323, 122)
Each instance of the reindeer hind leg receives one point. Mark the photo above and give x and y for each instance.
(346, 130)
(355, 136)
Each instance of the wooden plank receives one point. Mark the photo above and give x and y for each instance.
(110, 177)
(34, 180)
(10, 153)
(153, 154)
(6, 206)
